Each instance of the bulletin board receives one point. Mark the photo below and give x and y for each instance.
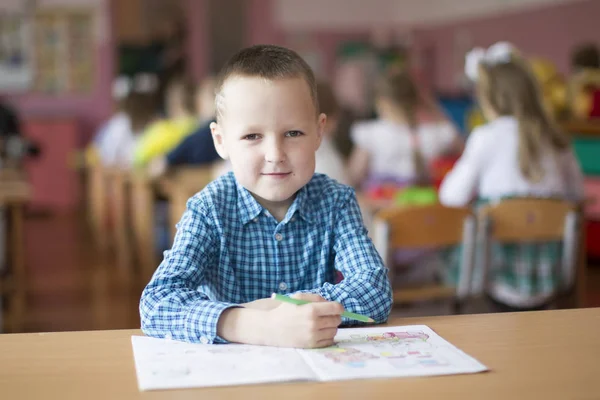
(63, 44)
(16, 68)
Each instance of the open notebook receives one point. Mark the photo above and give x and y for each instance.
(383, 352)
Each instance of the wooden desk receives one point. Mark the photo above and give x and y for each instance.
(538, 355)
(181, 184)
(15, 191)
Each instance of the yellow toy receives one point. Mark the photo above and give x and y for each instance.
(552, 84)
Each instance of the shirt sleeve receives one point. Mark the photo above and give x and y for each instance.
(447, 136)
(365, 288)
(460, 184)
(196, 149)
(360, 135)
(157, 141)
(171, 305)
(182, 153)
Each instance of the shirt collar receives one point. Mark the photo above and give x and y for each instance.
(302, 206)
(249, 208)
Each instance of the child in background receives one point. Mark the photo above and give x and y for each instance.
(328, 159)
(119, 136)
(518, 153)
(163, 136)
(198, 148)
(270, 226)
(396, 148)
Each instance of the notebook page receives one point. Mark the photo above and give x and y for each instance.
(168, 364)
(388, 352)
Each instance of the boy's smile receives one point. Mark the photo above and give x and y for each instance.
(269, 130)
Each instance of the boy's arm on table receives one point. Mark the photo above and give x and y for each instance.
(365, 288)
(171, 305)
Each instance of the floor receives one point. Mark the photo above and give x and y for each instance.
(72, 287)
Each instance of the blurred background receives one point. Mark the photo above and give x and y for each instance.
(85, 215)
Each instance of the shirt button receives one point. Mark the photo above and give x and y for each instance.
(254, 219)
(204, 340)
(292, 219)
(283, 286)
(278, 237)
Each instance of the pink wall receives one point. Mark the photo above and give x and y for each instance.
(550, 33)
(263, 29)
(198, 45)
(91, 109)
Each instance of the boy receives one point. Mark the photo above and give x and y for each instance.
(271, 225)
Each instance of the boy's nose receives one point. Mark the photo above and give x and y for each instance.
(275, 153)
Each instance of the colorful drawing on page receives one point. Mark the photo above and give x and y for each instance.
(388, 337)
(348, 356)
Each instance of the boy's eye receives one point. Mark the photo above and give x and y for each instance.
(252, 136)
(293, 133)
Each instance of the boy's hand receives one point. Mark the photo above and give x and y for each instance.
(307, 326)
(262, 304)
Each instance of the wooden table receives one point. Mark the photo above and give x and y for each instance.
(15, 191)
(538, 355)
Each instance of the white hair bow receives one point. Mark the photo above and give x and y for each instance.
(498, 53)
(121, 87)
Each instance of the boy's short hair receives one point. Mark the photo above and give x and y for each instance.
(268, 62)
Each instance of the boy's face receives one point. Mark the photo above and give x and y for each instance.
(269, 130)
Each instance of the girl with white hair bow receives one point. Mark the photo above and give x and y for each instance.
(519, 153)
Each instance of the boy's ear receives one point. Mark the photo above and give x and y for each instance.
(218, 139)
(321, 128)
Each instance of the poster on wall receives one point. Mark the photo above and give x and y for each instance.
(63, 51)
(16, 69)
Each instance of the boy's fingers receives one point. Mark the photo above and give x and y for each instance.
(330, 321)
(328, 308)
(314, 298)
(326, 335)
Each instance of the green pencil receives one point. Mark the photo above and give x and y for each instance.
(297, 302)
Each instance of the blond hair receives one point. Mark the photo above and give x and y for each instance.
(267, 62)
(509, 89)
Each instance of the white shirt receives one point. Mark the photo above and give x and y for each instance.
(390, 145)
(117, 146)
(489, 168)
(329, 162)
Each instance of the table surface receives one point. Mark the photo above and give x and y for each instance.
(14, 187)
(541, 355)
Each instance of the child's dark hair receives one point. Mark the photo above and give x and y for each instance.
(187, 89)
(141, 109)
(399, 87)
(268, 62)
(586, 56)
(328, 104)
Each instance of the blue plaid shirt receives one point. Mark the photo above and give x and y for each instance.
(230, 250)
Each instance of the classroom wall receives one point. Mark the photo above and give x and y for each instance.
(89, 109)
(263, 27)
(550, 33)
(545, 28)
(360, 14)
(198, 46)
